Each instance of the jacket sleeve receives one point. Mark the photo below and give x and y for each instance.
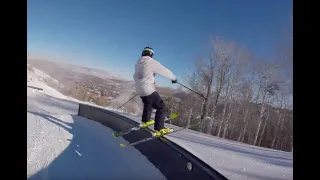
(158, 68)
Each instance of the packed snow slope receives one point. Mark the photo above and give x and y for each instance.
(61, 144)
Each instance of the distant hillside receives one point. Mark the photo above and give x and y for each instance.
(91, 71)
(96, 86)
(69, 73)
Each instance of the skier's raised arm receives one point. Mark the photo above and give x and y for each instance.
(158, 68)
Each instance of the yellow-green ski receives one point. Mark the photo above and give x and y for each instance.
(154, 136)
(118, 134)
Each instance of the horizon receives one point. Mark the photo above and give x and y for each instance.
(71, 63)
(109, 35)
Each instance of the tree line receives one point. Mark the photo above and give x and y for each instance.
(247, 99)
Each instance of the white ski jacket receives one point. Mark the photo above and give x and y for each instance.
(144, 76)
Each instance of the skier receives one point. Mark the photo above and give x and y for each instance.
(145, 70)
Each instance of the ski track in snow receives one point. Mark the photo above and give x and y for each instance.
(55, 133)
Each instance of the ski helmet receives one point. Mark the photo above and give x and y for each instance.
(148, 51)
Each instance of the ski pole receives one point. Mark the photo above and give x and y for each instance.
(127, 101)
(201, 95)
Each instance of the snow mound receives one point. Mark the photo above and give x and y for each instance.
(39, 79)
(35, 75)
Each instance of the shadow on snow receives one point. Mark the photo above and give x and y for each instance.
(92, 155)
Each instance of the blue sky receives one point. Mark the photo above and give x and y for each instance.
(110, 34)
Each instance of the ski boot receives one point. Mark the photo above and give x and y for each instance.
(162, 131)
(148, 123)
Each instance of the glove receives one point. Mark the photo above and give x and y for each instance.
(174, 81)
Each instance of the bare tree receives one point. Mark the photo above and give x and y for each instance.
(267, 88)
(246, 94)
(241, 59)
(223, 53)
(201, 80)
(265, 118)
(282, 104)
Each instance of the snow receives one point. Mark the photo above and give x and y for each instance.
(63, 144)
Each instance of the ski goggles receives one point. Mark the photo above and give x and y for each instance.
(148, 49)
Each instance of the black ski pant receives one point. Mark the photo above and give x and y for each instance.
(153, 101)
